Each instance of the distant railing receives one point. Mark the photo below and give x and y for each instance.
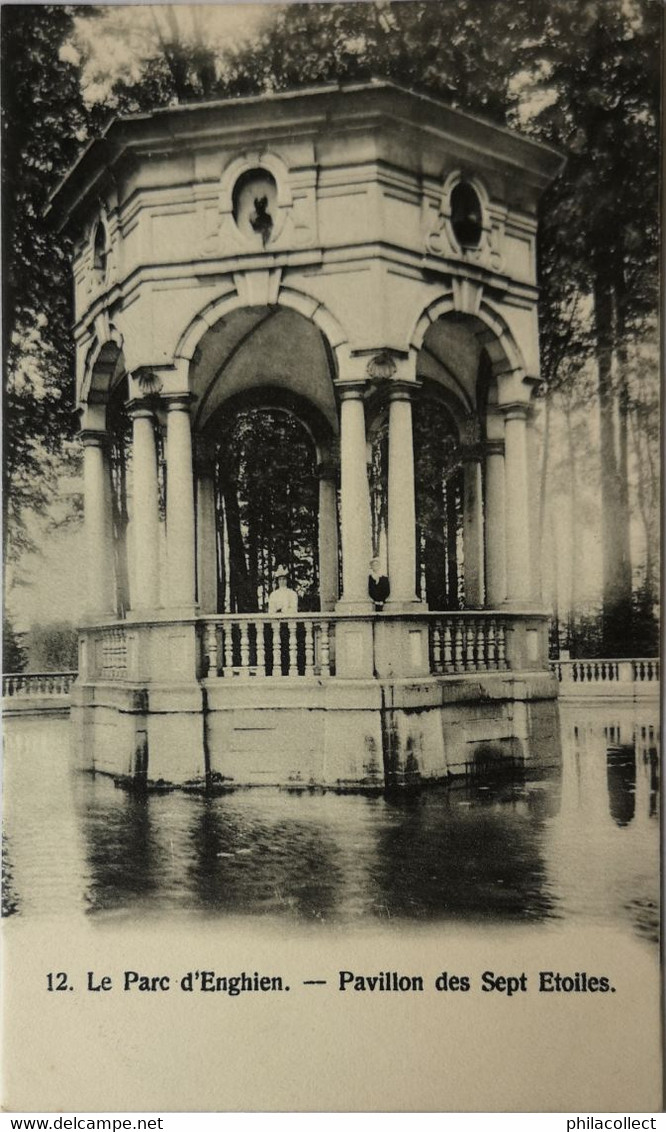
(21, 685)
(645, 670)
(467, 642)
(259, 645)
(595, 672)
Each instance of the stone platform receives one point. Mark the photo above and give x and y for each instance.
(316, 700)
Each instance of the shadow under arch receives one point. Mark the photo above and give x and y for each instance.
(472, 309)
(104, 369)
(262, 347)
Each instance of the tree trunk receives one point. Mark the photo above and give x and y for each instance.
(239, 587)
(452, 507)
(616, 609)
(624, 549)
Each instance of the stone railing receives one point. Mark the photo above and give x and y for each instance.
(605, 671)
(261, 645)
(605, 675)
(645, 670)
(401, 644)
(467, 642)
(37, 685)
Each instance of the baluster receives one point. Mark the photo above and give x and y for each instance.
(325, 650)
(227, 648)
(491, 645)
(276, 648)
(211, 647)
(448, 648)
(436, 648)
(481, 645)
(244, 649)
(501, 646)
(470, 638)
(459, 666)
(309, 649)
(261, 648)
(293, 649)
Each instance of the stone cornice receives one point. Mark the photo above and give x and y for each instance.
(380, 104)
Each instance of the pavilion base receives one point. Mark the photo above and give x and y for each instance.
(336, 734)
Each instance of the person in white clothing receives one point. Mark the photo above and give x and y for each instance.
(283, 599)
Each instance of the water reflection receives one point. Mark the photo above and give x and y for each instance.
(621, 771)
(582, 845)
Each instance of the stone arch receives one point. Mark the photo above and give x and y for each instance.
(267, 397)
(245, 339)
(466, 301)
(312, 309)
(104, 367)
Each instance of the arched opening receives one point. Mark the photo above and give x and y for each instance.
(266, 493)
(264, 424)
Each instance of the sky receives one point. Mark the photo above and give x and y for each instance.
(115, 44)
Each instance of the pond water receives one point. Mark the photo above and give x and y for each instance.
(580, 846)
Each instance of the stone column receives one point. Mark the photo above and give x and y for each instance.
(534, 480)
(328, 534)
(473, 527)
(145, 519)
(206, 533)
(98, 525)
(495, 524)
(518, 571)
(401, 503)
(354, 499)
(180, 507)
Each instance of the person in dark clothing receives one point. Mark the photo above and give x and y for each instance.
(378, 584)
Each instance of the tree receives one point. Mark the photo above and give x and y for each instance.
(13, 653)
(53, 647)
(599, 64)
(44, 123)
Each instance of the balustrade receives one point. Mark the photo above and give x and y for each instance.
(260, 646)
(37, 684)
(467, 642)
(595, 672)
